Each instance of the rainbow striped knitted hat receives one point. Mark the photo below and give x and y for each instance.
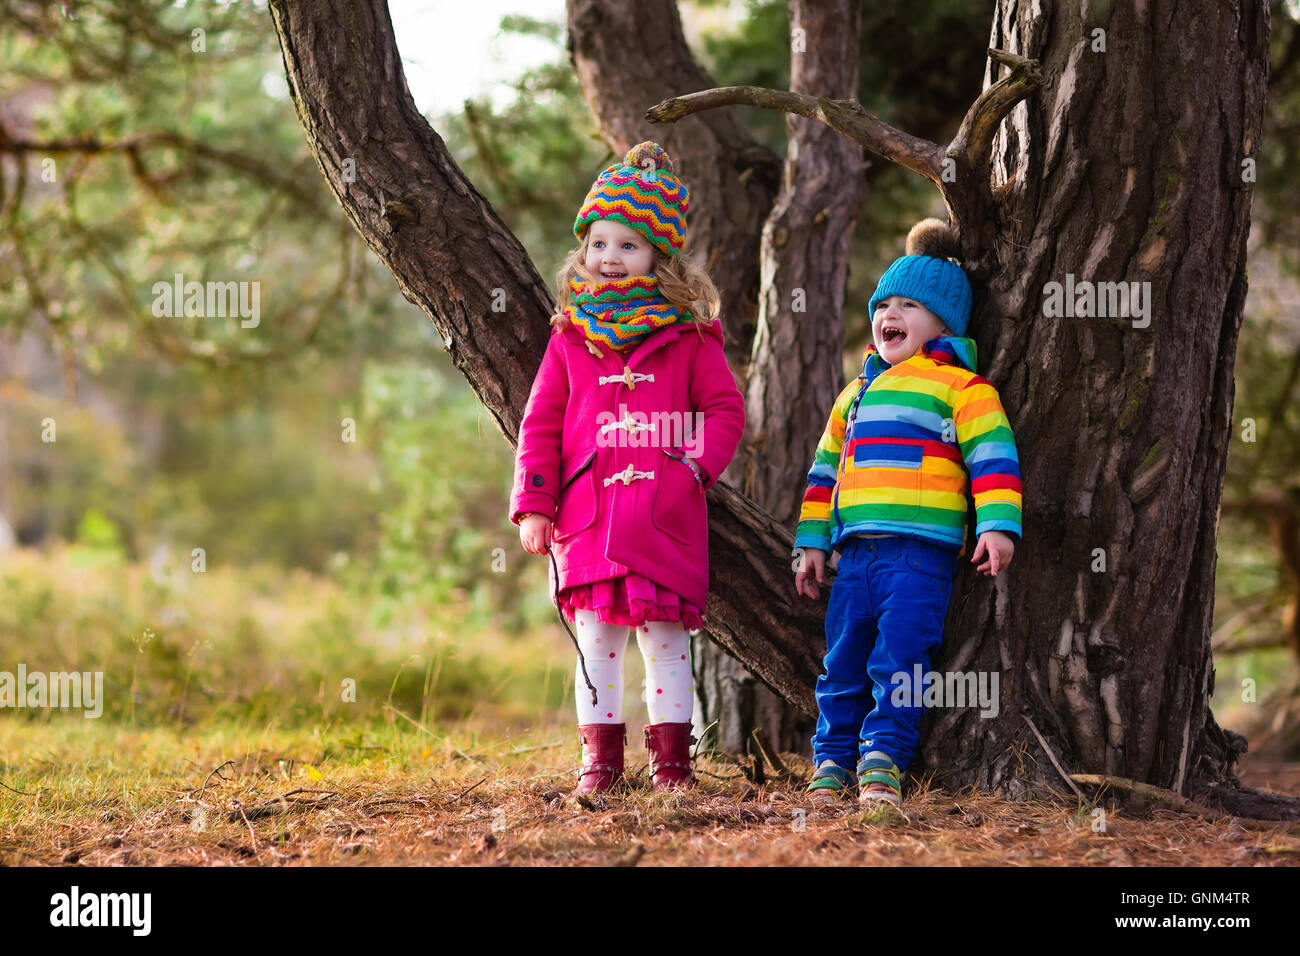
(643, 193)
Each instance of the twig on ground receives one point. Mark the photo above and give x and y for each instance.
(1052, 757)
(217, 770)
(769, 754)
(368, 804)
(12, 790)
(1150, 790)
(700, 739)
(467, 790)
(718, 776)
(526, 750)
(251, 835)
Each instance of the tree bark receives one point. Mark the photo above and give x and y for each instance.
(1126, 167)
(798, 353)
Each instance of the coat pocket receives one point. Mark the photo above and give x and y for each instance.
(679, 510)
(897, 487)
(576, 509)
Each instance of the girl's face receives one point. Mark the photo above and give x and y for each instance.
(615, 251)
(901, 326)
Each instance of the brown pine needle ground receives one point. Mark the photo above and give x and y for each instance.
(106, 796)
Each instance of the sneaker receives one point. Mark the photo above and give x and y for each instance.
(878, 779)
(830, 783)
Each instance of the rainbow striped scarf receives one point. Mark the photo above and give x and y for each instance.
(620, 312)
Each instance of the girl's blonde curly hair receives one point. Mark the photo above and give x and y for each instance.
(682, 282)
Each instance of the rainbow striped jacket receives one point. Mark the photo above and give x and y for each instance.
(916, 430)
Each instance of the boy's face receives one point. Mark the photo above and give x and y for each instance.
(615, 251)
(901, 326)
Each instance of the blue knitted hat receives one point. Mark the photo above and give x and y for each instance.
(929, 275)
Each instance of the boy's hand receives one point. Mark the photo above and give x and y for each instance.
(535, 534)
(998, 548)
(812, 566)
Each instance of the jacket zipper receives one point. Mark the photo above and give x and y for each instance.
(848, 436)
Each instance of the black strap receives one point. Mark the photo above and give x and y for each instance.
(555, 599)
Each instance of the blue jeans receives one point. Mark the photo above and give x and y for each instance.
(887, 607)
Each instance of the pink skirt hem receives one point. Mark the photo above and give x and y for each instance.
(629, 601)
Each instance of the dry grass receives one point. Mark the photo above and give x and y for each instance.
(397, 796)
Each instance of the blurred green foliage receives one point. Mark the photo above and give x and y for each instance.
(255, 644)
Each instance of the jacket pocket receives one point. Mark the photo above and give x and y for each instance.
(576, 509)
(679, 510)
(898, 487)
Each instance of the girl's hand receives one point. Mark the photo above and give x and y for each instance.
(998, 548)
(812, 565)
(535, 534)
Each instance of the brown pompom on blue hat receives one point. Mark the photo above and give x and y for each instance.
(931, 274)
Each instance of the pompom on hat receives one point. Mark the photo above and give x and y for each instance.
(643, 193)
(930, 274)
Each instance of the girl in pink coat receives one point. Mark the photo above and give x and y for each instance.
(632, 417)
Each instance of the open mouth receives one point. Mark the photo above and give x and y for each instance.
(613, 275)
(892, 335)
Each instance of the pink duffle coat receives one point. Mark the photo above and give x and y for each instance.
(600, 449)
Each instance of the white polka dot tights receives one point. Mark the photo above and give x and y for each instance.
(665, 647)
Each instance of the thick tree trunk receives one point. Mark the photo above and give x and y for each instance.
(797, 366)
(1125, 167)
(629, 56)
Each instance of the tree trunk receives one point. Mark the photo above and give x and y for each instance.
(1127, 165)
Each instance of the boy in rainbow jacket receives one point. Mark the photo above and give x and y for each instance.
(907, 441)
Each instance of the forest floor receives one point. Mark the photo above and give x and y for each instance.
(406, 796)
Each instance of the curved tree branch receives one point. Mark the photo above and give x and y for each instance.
(844, 116)
(966, 190)
(969, 192)
(448, 250)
